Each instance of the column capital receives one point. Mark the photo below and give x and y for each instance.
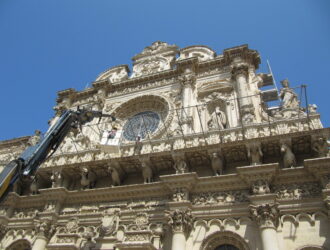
(187, 80)
(180, 220)
(44, 228)
(266, 215)
(239, 69)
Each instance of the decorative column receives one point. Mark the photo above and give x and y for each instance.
(267, 216)
(240, 74)
(44, 231)
(181, 222)
(187, 83)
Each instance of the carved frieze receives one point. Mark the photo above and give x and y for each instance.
(297, 191)
(220, 198)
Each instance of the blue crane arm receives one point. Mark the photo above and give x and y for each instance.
(30, 160)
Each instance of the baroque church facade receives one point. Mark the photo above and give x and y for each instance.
(196, 159)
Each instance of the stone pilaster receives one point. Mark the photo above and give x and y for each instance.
(187, 82)
(240, 75)
(44, 230)
(181, 222)
(267, 218)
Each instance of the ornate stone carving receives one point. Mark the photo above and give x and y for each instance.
(217, 163)
(88, 178)
(34, 139)
(297, 191)
(254, 153)
(187, 80)
(320, 146)
(180, 194)
(115, 74)
(260, 187)
(110, 221)
(44, 227)
(180, 164)
(155, 58)
(240, 69)
(289, 159)
(288, 96)
(180, 220)
(325, 180)
(266, 215)
(221, 198)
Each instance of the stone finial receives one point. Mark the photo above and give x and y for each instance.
(180, 220)
(266, 215)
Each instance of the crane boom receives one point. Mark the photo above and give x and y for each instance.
(30, 160)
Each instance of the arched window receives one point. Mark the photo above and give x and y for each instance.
(224, 241)
(226, 247)
(20, 245)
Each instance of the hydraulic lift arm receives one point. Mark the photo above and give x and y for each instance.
(29, 161)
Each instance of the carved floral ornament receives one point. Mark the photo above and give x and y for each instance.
(180, 220)
(266, 215)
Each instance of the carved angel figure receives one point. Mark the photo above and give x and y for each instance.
(218, 119)
(288, 96)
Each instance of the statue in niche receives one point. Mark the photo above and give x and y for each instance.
(255, 154)
(218, 119)
(56, 179)
(217, 163)
(289, 159)
(288, 96)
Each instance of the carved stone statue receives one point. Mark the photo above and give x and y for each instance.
(289, 160)
(116, 175)
(255, 154)
(218, 119)
(180, 164)
(33, 140)
(321, 147)
(217, 163)
(146, 170)
(56, 179)
(34, 185)
(88, 178)
(288, 96)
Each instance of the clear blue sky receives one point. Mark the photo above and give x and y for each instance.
(51, 45)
